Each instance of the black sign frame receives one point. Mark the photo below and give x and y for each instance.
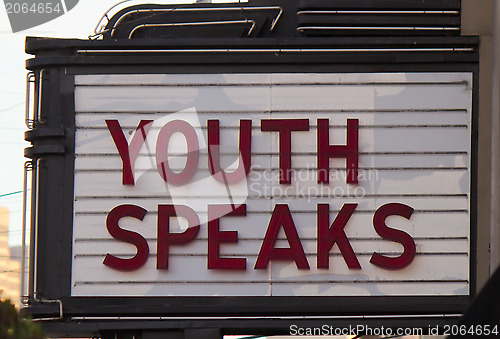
(57, 61)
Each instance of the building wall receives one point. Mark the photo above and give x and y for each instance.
(10, 270)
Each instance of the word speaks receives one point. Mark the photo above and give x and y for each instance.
(281, 218)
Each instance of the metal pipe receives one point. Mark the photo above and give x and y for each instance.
(30, 79)
(33, 250)
(180, 24)
(201, 9)
(25, 296)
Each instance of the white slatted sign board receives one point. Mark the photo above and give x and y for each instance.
(414, 149)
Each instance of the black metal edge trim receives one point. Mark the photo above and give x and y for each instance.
(387, 4)
(39, 133)
(69, 46)
(474, 183)
(39, 150)
(262, 326)
(271, 58)
(276, 306)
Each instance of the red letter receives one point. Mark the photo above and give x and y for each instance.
(395, 235)
(192, 152)
(128, 153)
(214, 152)
(216, 237)
(165, 238)
(130, 237)
(285, 128)
(327, 151)
(281, 217)
(328, 236)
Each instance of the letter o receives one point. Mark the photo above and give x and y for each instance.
(192, 152)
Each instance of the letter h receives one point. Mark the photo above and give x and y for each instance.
(327, 151)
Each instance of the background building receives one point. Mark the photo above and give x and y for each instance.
(10, 263)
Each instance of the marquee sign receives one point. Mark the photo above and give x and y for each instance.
(272, 184)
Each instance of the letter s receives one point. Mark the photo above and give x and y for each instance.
(130, 237)
(395, 235)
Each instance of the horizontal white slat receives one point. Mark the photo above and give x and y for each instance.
(241, 78)
(368, 78)
(100, 141)
(360, 225)
(373, 182)
(251, 248)
(251, 98)
(296, 204)
(177, 163)
(131, 120)
(424, 268)
(368, 289)
(359, 97)
(169, 79)
(284, 289)
(379, 161)
(144, 99)
(229, 121)
(300, 161)
(159, 290)
(414, 139)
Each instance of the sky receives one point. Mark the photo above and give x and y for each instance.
(76, 23)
